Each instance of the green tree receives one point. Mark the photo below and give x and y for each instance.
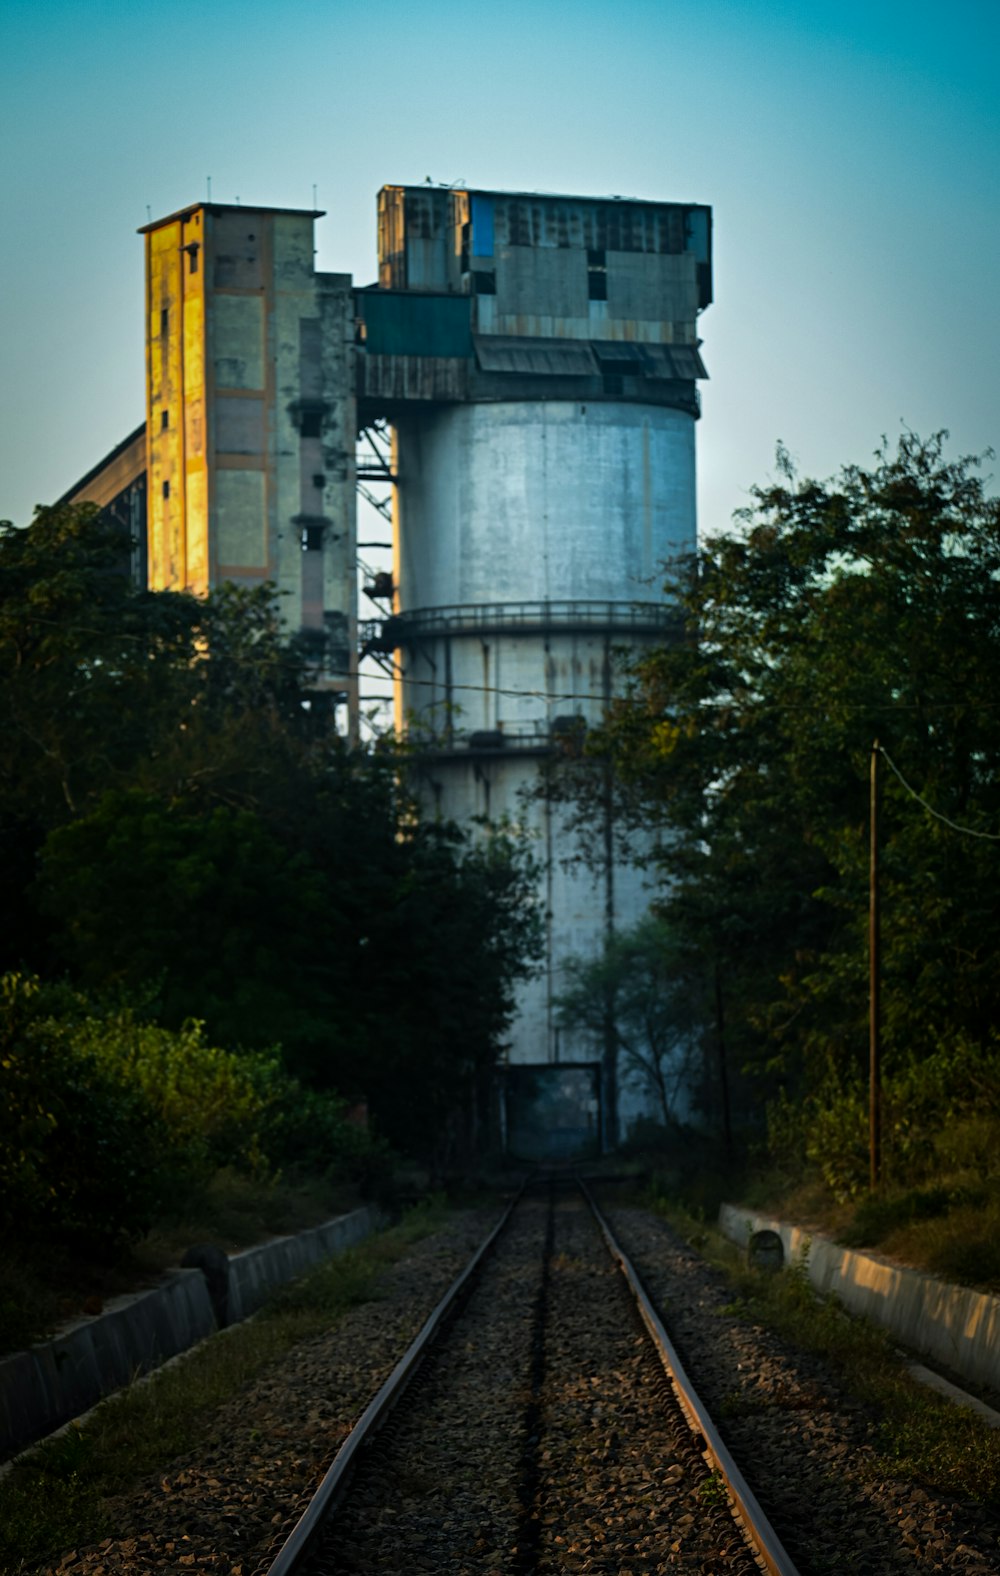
(837, 613)
(640, 985)
(180, 815)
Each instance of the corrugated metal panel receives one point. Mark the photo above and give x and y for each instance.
(625, 356)
(674, 361)
(393, 378)
(399, 324)
(547, 357)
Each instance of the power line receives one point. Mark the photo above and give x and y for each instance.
(878, 707)
(967, 831)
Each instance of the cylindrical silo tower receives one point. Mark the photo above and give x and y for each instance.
(537, 359)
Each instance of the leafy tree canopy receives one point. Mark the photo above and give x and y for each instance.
(836, 614)
(178, 813)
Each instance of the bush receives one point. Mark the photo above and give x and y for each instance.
(108, 1123)
(941, 1117)
(80, 1151)
(211, 1104)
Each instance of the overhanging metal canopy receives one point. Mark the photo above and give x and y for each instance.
(673, 361)
(549, 357)
(581, 358)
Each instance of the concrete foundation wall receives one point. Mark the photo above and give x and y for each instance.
(951, 1325)
(58, 1379)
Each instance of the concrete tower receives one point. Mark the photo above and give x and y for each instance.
(250, 419)
(537, 359)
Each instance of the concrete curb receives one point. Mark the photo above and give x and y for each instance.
(56, 1380)
(255, 1273)
(952, 1325)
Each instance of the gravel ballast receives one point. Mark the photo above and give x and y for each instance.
(805, 1445)
(543, 1435)
(223, 1507)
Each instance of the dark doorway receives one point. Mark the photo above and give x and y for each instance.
(553, 1112)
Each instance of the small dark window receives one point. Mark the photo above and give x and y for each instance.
(311, 424)
(312, 538)
(164, 320)
(166, 489)
(466, 237)
(319, 480)
(192, 252)
(597, 275)
(484, 281)
(164, 418)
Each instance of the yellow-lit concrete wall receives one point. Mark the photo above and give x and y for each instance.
(243, 337)
(240, 392)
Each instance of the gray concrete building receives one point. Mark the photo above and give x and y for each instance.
(536, 361)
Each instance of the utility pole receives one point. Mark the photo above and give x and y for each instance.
(874, 1049)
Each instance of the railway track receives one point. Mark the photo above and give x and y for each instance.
(547, 1426)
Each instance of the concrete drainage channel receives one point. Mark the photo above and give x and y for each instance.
(951, 1325)
(57, 1380)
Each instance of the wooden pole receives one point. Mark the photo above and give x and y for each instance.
(874, 1049)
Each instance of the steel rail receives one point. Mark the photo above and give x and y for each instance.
(765, 1540)
(310, 1524)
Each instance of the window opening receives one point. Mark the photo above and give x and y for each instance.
(166, 489)
(164, 418)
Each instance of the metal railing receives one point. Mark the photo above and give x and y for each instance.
(495, 618)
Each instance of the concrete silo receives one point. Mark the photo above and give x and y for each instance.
(536, 357)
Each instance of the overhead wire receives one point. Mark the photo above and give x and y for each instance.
(966, 831)
(878, 707)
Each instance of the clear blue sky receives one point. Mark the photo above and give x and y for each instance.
(851, 153)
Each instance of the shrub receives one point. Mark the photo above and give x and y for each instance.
(212, 1103)
(80, 1152)
(108, 1123)
(941, 1117)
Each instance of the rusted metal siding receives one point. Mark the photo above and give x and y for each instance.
(391, 380)
(530, 262)
(414, 238)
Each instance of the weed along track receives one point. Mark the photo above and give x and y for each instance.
(540, 1434)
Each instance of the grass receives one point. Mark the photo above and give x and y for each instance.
(949, 1226)
(952, 1231)
(60, 1495)
(40, 1287)
(918, 1433)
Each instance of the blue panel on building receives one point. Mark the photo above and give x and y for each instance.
(482, 226)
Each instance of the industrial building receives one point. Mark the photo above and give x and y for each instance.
(535, 360)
